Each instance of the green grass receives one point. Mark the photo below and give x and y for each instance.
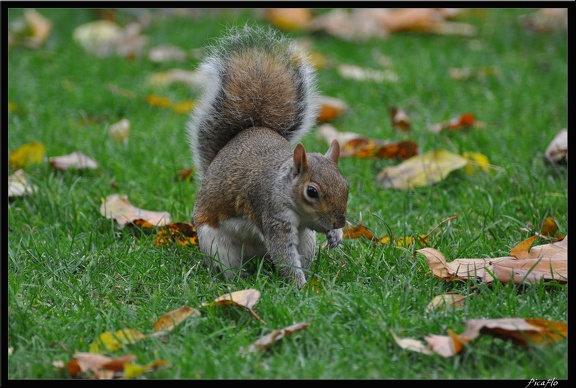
(72, 275)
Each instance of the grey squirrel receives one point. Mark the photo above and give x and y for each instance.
(259, 196)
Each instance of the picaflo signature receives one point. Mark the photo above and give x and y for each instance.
(542, 383)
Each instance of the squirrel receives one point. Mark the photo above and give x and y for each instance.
(260, 196)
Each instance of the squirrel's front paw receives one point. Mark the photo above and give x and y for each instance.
(335, 236)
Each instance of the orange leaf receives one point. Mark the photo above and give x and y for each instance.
(290, 19)
(357, 231)
(330, 108)
(155, 100)
(169, 320)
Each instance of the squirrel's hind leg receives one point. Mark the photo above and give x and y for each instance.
(221, 252)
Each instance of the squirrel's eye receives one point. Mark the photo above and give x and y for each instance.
(312, 192)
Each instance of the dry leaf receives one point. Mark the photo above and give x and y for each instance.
(464, 121)
(518, 330)
(120, 131)
(330, 108)
(190, 78)
(476, 161)
(421, 170)
(549, 227)
(103, 367)
(104, 38)
(268, 340)
(169, 320)
(118, 207)
(546, 20)
(243, 298)
(363, 74)
(185, 173)
(111, 341)
(399, 119)
(289, 19)
(76, 159)
(411, 344)
(166, 53)
(39, 27)
(446, 301)
(557, 150)
(357, 231)
(27, 154)
(18, 185)
(182, 232)
(545, 262)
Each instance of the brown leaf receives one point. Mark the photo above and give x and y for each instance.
(184, 173)
(118, 207)
(39, 26)
(76, 159)
(446, 346)
(464, 121)
(182, 232)
(399, 119)
(268, 340)
(518, 330)
(549, 227)
(544, 262)
(169, 320)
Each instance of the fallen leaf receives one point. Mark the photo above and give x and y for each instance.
(185, 173)
(118, 207)
(549, 227)
(399, 119)
(27, 154)
(544, 262)
(357, 231)
(244, 298)
(104, 38)
(39, 28)
(464, 121)
(421, 170)
(518, 330)
(111, 341)
(182, 232)
(102, 367)
(175, 76)
(268, 340)
(120, 131)
(288, 19)
(166, 53)
(363, 74)
(19, 185)
(330, 108)
(557, 150)
(169, 320)
(545, 20)
(476, 161)
(76, 159)
(411, 344)
(446, 301)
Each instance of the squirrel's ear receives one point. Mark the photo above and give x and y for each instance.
(300, 159)
(334, 151)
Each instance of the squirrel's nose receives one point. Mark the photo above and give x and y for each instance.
(340, 221)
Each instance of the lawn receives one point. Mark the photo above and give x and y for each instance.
(72, 274)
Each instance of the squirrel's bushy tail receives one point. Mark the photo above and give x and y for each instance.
(254, 77)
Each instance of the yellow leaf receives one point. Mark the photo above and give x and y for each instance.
(475, 161)
(27, 154)
(114, 341)
(421, 170)
(183, 107)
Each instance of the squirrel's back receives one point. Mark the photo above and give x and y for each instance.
(254, 77)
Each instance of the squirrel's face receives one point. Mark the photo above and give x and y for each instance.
(323, 194)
